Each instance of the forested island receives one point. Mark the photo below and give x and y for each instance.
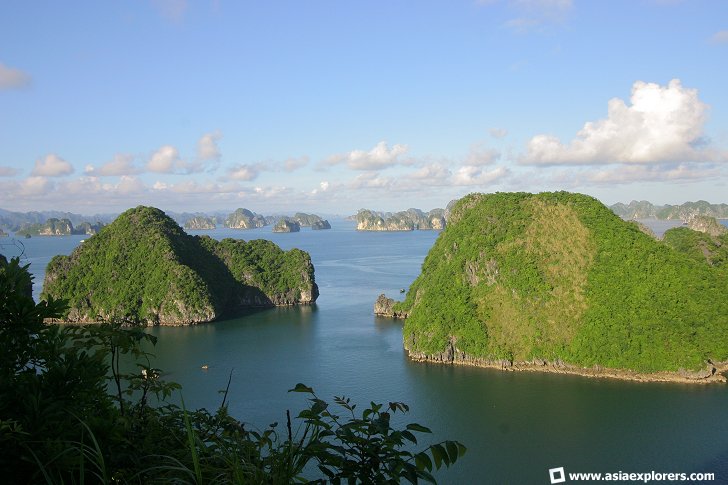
(144, 268)
(558, 282)
(409, 220)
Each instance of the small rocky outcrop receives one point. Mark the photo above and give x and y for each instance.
(200, 223)
(707, 225)
(385, 307)
(286, 225)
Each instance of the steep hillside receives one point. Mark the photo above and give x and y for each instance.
(144, 268)
(558, 279)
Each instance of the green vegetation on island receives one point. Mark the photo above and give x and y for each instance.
(559, 278)
(704, 240)
(408, 220)
(69, 414)
(144, 268)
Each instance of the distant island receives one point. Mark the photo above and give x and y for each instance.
(557, 282)
(58, 227)
(245, 219)
(646, 210)
(144, 268)
(409, 220)
(285, 224)
(311, 220)
(200, 223)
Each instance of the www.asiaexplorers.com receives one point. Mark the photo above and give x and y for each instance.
(558, 475)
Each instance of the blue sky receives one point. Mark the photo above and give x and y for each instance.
(330, 106)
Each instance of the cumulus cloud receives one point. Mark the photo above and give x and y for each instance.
(293, 164)
(662, 124)
(481, 155)
(244, 172)
(11, 78)
(470, 175)
(51, 166)
(165, 160)
(431, 171)
(8, 171)
(720, 37)
(121, 164)
(379, 157)
(207, 148)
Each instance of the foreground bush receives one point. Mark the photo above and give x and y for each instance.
(68, 414)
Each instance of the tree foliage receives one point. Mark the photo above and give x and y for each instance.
(69, 414)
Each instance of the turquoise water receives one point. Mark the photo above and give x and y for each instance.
(516, 425)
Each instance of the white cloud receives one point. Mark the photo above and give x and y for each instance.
(11, 78)
(8, 171)
(293, 164)
(475, 176)
(655, 173)
(663, 124)
(165, 160)
(121, 164)
(244, 172)
(379, 157)
(498, 132)
(52, 166)
(480, 155)
(207, 148)
(34, 186)
(720, 37)
(432, 172)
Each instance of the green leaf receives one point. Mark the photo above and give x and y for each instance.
(418, 427)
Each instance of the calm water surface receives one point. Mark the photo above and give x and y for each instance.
(516, 425)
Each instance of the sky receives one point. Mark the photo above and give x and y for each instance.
(330, 106)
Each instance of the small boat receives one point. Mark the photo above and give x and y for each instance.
(204, 367)
(401, 290)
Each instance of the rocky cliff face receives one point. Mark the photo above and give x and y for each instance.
(320, 225)
(385, 307)
(286, 225)
(707, 225)
(200, 223)
(244, 219)
(408, 220)
(144, 268)
(646, 210)
(59, 227)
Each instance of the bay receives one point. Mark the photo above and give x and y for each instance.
(516, 425)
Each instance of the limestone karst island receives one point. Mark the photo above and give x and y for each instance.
(144, 268)
(558, 282)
